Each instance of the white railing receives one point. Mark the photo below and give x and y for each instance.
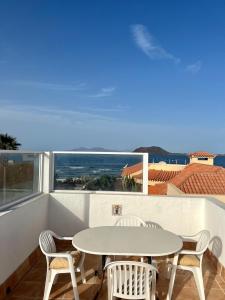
(143, 159)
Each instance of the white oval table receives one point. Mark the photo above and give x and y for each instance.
(127, 241)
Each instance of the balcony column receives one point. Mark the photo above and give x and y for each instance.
(47, 176)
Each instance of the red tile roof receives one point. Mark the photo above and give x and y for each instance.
(204, 183)
(195, 178)
(132, 169)
(200, 179)
(159, 175)
(201, 154)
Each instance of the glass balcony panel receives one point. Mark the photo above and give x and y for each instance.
(19, 176)
(97, 172)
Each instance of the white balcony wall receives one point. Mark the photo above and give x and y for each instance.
(214, 215)
(72, 212)
(19, 231)
(68, 212)
(178, 214)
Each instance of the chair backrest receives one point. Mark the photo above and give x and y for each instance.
(130, 220)
(203, 241)
(150, 224)
(130, 280)
(46, 242)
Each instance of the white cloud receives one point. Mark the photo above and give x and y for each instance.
(194, 68)
(46, 85)
(104, 92)
(147, 44)
(54, 112)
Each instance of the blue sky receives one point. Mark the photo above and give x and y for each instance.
(116, 74)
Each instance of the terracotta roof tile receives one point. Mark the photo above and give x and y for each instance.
(204, 183)
(161, 175)
(201, 154)
(132, 169)
(193, 169)
(157, 189)
(201, 179)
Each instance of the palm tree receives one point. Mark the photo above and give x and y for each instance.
(8, 142)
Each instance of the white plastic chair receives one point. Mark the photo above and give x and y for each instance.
(130, 220)
(191, 260)
(61, 262)
(131, 280)
(153, 225)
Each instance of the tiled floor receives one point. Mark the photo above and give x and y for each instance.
(32, 285)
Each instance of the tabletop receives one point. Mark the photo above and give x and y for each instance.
(121, 240)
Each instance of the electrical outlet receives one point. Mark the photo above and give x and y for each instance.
(116, 209)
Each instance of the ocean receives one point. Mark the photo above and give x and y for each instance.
(81, 165)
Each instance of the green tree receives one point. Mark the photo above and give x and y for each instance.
(129, 184)
(8, 142)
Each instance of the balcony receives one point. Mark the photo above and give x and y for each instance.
(32, 208)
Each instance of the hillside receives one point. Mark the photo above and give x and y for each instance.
(154, 150)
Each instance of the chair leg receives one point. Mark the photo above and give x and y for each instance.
(82, 274)
(48, 274)
(199, 282)
(49, 285)
(153, 287)
(56, 279)
(109, 287)
(171, 284)
(74, 284)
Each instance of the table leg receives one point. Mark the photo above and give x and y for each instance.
(101, 273)
(149, 260)
(103, 261)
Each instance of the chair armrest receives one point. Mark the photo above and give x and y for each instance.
(187, 238)
(60, 255)
(190, 238)
(63, 255)
(63, 238)
(67, 238)
(191, 252)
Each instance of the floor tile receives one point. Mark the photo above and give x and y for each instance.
(31, 286)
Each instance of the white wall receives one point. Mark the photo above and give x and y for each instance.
(177, 214)
(71, 212)
(215, 222)
(68, 212)
(19, 232)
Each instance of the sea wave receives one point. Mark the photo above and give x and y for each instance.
(76, 167)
